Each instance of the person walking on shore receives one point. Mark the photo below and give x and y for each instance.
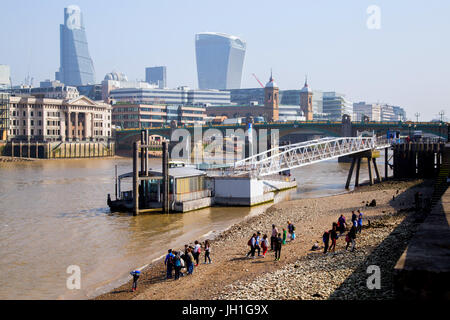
(284, 236)
(177, 264)
(342, 224)
(326, 240)
(351, 238)
(258, 243)
(251, 243)
(197, 250)
(264, 245)
(278, 245)
(273, 238)
(168, 262)
(360, 222)
(207, 251)
(333, 236)
(354, 219)
(189, 261)
(291, 229)
(135, 274)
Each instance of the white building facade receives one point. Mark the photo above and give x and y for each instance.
(44, 119)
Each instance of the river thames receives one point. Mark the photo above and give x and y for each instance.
(53, 214)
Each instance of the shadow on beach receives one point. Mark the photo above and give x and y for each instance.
(387, 253)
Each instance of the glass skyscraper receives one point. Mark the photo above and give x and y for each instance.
(220, 58)
(157, 76)
(76, 67)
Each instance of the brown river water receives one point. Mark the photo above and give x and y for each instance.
(53, 214)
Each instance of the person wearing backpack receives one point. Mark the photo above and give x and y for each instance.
(168, 262)
(360, 221)
(251, 243)
(189, 261)
(135, 274)
(197, 250)
(177, 265)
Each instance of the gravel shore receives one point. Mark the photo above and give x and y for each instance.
(301, 274)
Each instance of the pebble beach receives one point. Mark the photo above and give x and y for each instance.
(301, 273)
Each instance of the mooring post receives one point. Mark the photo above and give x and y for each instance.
(116, 180)
(350, 173)
(135, 178)
(12, 149)
(37, 150)
(376, 169)
(386, 163)
(147, 142)
(369, 166)
(165, 172)
(358, 166)
(20, 149)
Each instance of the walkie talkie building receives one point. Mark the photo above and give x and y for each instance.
(220, 58)
(76, 67)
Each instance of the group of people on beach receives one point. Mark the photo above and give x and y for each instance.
(277, 240)
(188, 259)
(341, 227)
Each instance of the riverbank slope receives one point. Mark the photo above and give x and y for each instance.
(299, 274)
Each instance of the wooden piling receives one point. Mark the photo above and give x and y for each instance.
(165, 172)
(135, 178)
(350, 173)
(369, 166)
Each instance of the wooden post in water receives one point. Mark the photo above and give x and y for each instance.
(358, 166)
(135, 178)
(165, 172)
(386, 162)
(350, 173)
(20, 149)
(369, 166)
(147, 142)
(37, 150)
(116, 180)
(12, 149)
(376, 169)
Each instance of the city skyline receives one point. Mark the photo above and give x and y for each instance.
(370, 65)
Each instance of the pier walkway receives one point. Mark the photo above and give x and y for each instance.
(297, 155)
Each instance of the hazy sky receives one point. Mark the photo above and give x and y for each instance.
(405, 63)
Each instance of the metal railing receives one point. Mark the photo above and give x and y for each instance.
(304, 153)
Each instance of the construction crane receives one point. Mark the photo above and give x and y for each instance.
(258, 80)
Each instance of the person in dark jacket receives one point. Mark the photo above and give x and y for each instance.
(168, 262)
(135, 274)
(278, 245)
(326, 241)
(351, 237)
(333, 237)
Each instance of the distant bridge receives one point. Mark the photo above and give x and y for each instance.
(126, 137)
(297, 155)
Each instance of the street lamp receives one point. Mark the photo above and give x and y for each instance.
(409, 130)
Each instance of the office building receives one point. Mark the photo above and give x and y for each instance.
(399, 113)
(117, 80)
(220, 59)
(335, 105)
(5, 76)
(178, 96)
(363, 109)
(156, 76)
(49, 89)
(139, 115)
(76, 67)
(44, 119)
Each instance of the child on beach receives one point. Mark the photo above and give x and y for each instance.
(291, 229)
(135, 274)
(333, 236)
(284, 236)
(207, 251)
(264, 245)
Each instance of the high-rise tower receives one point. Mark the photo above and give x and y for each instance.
(306, 101)
(220, 58)
(271, 100)
(76, 66)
